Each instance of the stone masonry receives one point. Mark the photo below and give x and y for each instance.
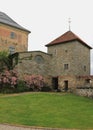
(70, 53)
(34, 63)
(51, 65)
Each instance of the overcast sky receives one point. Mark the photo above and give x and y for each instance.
(48, 19)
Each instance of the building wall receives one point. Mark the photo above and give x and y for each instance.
(85, 92)
(75, 82)
(72, 82)
(11, 37)
(76, 55)
(34, 63)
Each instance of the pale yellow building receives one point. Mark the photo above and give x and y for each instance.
(13, 37)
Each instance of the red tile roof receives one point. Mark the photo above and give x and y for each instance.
(86, 77)
(66, 37)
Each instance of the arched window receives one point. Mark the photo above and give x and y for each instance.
(39, 59)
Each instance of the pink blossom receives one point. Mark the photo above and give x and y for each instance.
(9, 77)
(5, 80)
(36, 81)
(13, 80)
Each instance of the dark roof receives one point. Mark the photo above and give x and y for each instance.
(5, 19)
(67, 37)
(86, 76)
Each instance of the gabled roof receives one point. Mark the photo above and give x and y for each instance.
(5, 19)
(67, 37)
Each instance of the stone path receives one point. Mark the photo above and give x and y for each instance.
(13, 127)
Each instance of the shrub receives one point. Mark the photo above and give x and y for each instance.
(34, 82)
(46, 89)
(21, 86)
(8, 81)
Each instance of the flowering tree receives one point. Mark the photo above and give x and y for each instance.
(8, 78)
(34, 82)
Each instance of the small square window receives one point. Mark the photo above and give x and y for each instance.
(66, 66)
(12, 35)
(55, 51)
(84, 68)
(66, 51)
(11, 49)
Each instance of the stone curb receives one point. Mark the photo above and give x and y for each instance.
(22, 127)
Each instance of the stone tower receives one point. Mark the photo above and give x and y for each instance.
(13, 37)
(71, 55)
(70, 61)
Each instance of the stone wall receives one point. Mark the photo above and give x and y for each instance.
(75, 82)
(84, 92)
(84, 86)
(84, 81)
(34, 63)
(13, 38)
(71, 82)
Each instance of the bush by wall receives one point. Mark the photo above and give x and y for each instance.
(9, 83)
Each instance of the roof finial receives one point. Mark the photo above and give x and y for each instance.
(69, 22)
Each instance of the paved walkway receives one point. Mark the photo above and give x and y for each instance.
(13, 127)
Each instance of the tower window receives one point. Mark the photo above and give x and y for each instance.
(66, 51)
(84, 68)
(55, 51)
(66, 66)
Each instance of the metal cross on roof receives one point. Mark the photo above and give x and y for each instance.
(69, 21)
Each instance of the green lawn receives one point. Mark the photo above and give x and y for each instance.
(47, 110)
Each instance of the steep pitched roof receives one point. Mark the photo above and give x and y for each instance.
(5, 19)
(67, 37)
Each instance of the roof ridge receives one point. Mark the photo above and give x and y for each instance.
(66, 37)
(5, 19)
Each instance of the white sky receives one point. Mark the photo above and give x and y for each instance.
(48, 19)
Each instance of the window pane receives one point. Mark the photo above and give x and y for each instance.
(65, 66)
(12, 35)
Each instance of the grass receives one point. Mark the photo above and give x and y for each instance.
(47, 110)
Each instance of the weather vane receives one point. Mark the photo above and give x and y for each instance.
(69, 21)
